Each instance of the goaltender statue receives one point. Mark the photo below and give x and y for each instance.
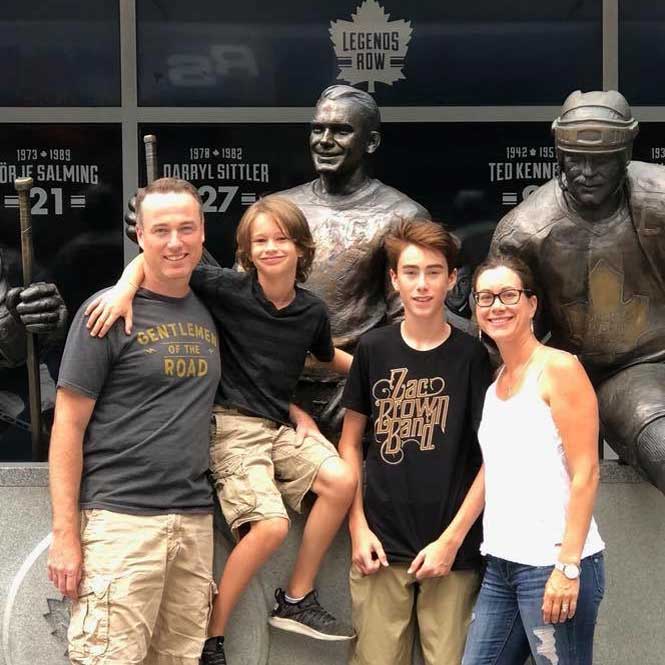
(595, 238)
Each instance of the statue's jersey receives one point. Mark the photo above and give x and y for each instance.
(348, 272)
(602, 281)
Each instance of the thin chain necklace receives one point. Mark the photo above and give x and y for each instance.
(510, 385)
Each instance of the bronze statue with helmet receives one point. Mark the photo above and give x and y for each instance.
(595, 238)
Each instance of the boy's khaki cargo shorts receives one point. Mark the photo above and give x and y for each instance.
(257, 466)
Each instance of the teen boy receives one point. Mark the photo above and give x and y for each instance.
(421, 385)
(267, 325)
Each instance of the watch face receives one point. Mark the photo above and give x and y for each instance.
(571, 571)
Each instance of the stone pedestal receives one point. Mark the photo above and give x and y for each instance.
(33, 617)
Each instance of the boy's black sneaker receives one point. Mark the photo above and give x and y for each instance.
(307, 617)
(213, 652)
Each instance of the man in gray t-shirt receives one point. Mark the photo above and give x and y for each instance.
(132, 508)
(145, 450)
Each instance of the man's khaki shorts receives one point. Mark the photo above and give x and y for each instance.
(387, 606)
(257, 466)
(146, 591)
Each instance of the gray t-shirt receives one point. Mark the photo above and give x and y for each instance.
(145, 450)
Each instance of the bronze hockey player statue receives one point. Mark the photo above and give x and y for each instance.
(348, 212)
(595, 238)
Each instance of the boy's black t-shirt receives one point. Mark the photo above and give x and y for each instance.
(424, 408)
(263, 348)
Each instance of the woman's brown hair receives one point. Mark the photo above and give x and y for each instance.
(512, 262)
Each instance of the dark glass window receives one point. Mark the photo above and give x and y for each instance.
(650, 143)
(466, 174)
(232, 165)
(209, 53)
(77, 235)
(59, 53)
(642, 51)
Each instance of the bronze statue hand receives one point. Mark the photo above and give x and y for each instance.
(39, 307)
(130, 218)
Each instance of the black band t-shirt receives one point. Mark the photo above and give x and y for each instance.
(424, 409)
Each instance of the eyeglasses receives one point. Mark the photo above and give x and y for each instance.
(506, 297)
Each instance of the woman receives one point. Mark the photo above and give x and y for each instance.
(539, 437)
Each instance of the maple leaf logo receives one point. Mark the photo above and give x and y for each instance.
(58, 617)
(607, 324)
(370, 48)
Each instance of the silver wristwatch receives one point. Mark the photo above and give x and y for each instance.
(570, 570)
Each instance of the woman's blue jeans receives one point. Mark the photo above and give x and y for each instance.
(507, 621)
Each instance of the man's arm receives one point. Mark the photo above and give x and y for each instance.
(365, 545)
(72, 414)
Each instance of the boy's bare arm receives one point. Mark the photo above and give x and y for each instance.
(106, 309)
(367, 551)
(340, 364)
(65, 560)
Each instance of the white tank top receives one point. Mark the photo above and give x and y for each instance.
(527, 486)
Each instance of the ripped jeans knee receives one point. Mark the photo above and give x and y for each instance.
(547, 647)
